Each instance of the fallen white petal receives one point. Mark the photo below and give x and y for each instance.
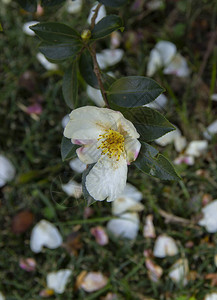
(77, 165)
(72, 188)
(100, 235)
(212, 296)
(26, 28)
(2, 297)
(132, 192)
(154, 271)
(155, 4)
(65, 121)
(165, 246)
(44, 234)
(154, 63)
(178, 66)
(149, 230)
(58, 280)
(101, 13)
(73, 7)
(159, 103)
(214, 97)
(95, 95)
(197, 148)
(184, 159)
(168, 138)
(109, 57)
(179, 271)
(167, 51)
(122, 204)
(126, 226)
(211, 130)
(93, 281)
(209, 220)
(180, 143)
(45, 63)
(7, 170)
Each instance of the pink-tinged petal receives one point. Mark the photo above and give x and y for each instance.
(34, 109)
(27, 264)
(154, 271)
(132, 148)
(188, 160)
(89, 154)
(149, 230)
(100, 235)
(83, 141)
(93, 281)
(107, 179)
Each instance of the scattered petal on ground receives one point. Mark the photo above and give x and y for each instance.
(27, 264)
(197, 148)
(165, 246)
(184, 159)
(209, 220)
(159, 103)
(122, 204)
(73, 7)
(214, 97)
(155, 4)
(2, 297)
(149, 230)
(154, 271)
(93, 281)
(95, 95)
(26, 28)
(178, 66)
(45, 63)
(179, 271)
(7, 170)
(101, 13)
(211, 130)
(58, 280)
(44, 234)
(77, 165)
(212, 296)
(110, 296)
(173, 137)
(72, 188)
(109, 57)
(100, 235)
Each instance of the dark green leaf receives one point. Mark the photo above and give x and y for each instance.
(90, 200)
(55, 32)
(113, 3)
(68, 150)
(87, 70)
(70, 85)
(106, 26)
(28, 5)
(61, 51)
(149, 123)
(159, 166)
(51, 2)
(134, 91)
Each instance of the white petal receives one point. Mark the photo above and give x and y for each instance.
(132, 147)
(178, 66)
(109, 57)
(212, 296)
(123, 204)
(2, 297)
(209, 220)
(57, 280)
(168, 138)
(93, 281)
(44, 234)
(214, 97)
(107, 179)
(184, 159)
(165, 246)
(167, 50)
(126, 226)
(7, 170)
(45, 63)
(89, 154)
(95, 95)
(154, 63)
(211, 130)
(154, 271)
(72, 188)
(159, 103)
(132, 192)
(149, 230)
(26, 28)
(77, 165)
(197, 148)
(179, 271)
(100, 235)
(101, 13)
(180, 143)
(155, 4)
(73, 7)
(65, 121)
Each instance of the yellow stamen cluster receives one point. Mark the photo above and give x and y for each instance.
(112, 143)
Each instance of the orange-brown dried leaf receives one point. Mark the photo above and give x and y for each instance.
(22, 221)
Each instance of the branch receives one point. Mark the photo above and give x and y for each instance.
(93, 19)
(169, 218)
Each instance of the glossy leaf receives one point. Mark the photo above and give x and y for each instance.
(134, 91)
(87, 69)
(89, 199)
(60, 51)
(28, 5)
(68, 150)
(159, 166)
(51, 2)
(106, 26)
(149, 123)
(70, 85)
(113, 3)
(55, 32)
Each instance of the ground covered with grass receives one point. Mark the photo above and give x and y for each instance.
(31, 141)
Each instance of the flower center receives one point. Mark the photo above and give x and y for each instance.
(112, 143)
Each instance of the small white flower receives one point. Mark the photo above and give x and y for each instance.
(179, 271)
(178, 66)
(196, 148)
(45, 63)
(77, 165)
(165, 246)
(159, 103)
(57, 280)
(72, 188)
(109, 57)
(211, 130)
(65, 121)
(212, 296)
(101, 13)
(73, 7)
(93, 281)
(108, 140)
(2, 297)
(95, 95)
(26, 28)
(126, 225)
(209, 220)
(7, 170)
(44, 234)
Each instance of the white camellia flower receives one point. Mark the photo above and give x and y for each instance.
(95, 95)
(26, 28)
(73, 7)
(165, 246)
(108, 140)
(101, 13)
(57, 280)
(77, 165)
(7, 170)
(179, 271)
(196, 148)
(109, 57)
(44, 234)
(209, 220)
(211, 130)
(126, 225)
(159, 103)
(72, 188)
(45, 63)
(212, 296)
(2, 297)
